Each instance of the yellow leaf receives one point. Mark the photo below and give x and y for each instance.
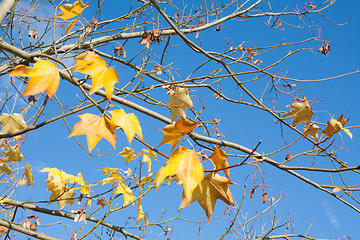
(126, 191)
(95, 128)
(129, 123)
(4, 168)
(71, 25)
(334, 126)
(128, 153)
(174, 131)
(219, 157)
(187, 165)
(178, 102)
(72, 10)
(213, 187)
(112, 171)
(12, 123)
(44, 76)
(28, 175)
(147, 153)
(14, 154)
(102, 76)
(85, 188)
(141, 214)
(60, 192)
(302, 112)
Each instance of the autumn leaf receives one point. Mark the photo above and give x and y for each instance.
(13, 154)
(115, 177)
(28, 175)
(44, 76)
(95, 128)
(12, 123)
(128, 153)
(187, 165)
(178, 102)
(102, 76)
(4, 168)
(334, 126)
(214, 187)
(101, 202)
(72, 10)
(129, 123)
(174, 131)
(141, 214)
(311, 130)
(71, 25)
(57, 184)
(147, 154)
(219, 158)
(60, 192)
(302, 112)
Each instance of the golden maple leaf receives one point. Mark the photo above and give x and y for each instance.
(4, 168)
(334, 126)
(187, 165)
(95, 128)
(44, 76)
(219, 157)
(102, 76)
(129, 123)
(302, 112)
(178, 102)
(72, 10)
(14, 154)
(12, 122)
(213, 187)
(173, 132)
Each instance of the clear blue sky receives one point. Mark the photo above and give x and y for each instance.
(305, 205)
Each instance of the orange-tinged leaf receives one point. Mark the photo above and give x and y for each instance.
(334, 126)
(44, 76)
(173, 132)
(72, 10)
(213, 187)
(129, 123)
(302, 112)
(187, 165)
(102, 76)
(219, 157)
(179, 101)
(95, 128)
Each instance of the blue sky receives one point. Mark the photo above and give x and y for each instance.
(302, 203)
